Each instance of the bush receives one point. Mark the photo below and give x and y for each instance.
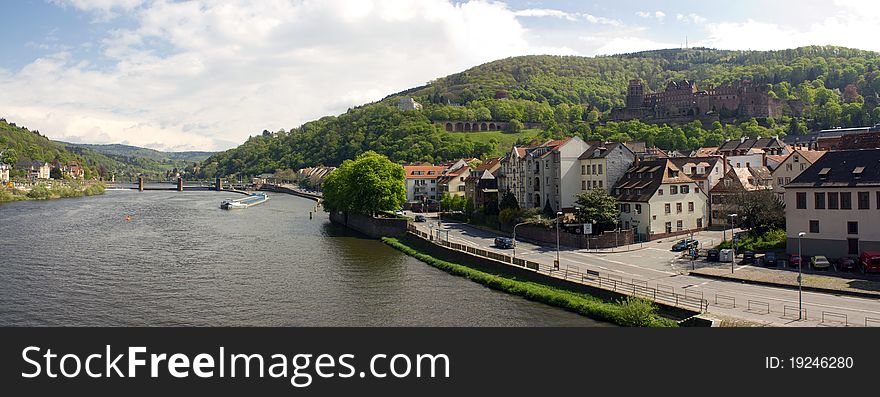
(636, 312)
(40, 192)
(773, 239)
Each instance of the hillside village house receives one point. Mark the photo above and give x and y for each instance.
(553, 174)
(35, 169)
(481, 186)
(4, 173)
(421, 182)
(452, 180)
(603, 164)
(657, 199)
(723, 197)
(792, 166)
(73, 170)
(705, 171)
(836, 202)
(751, 152)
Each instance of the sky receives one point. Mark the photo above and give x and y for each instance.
(205, 74)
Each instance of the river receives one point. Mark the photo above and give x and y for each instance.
(181, 261)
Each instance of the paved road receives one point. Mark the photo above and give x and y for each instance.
(655, 264)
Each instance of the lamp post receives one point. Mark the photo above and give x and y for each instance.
(558, 215)
(800, 282)
(514, 236)
(733, 242)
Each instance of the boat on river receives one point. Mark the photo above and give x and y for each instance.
(247, 202)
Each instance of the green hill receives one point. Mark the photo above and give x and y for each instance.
(821, 87)
(98, 161)
(139, 152)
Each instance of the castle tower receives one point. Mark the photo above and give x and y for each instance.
(635, 94)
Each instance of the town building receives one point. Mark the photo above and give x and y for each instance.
(4, 173)
(421, 182)
(512, 173)
(603, 164)
(553, 174)
(836, 203)
(751, 152)
(312, 176)
(657, 199)
(452, 181)
(683, 101)
(705, 171)
(831, 139)
(73, 170)
(35, 169)
(481, 185)
(408, 104)
(724, 197)
(792, 166)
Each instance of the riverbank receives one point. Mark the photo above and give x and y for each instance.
(628, 312)
(51, 191)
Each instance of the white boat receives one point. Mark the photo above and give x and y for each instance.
(250, 201)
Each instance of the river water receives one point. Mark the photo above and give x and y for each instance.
(181, 261)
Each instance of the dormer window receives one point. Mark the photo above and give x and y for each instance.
(857, 172)
(823, 173)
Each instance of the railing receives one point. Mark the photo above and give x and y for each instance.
(834, 318)
(691, 300)
(791, 312)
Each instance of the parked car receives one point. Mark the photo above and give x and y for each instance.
(794, 260)
(846, 264)
(503, 242)
(713, 256)
(770, 259)
(869, 261)
(820, 262)
(685, 244)
(420, 218)
(748, 257)
(398, 212)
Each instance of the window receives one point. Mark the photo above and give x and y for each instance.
(583, 169)
(659, 192)
(673, 189)
(814, 226)
(699, 223)
(594, 169)
(690, 206)
(801, 200)
(820, 201)
(600, 183)
(600, 169)
(845, 200)
(864, 201)
(667, 208)
(803, 167)
(583, 185)
(852, 227)
(788, 167)
(677, 208)
(678, 225)
(638, 208)
(832, 200)
(668, 226)
(787, 180)
(779, 181)
(685, 189)
(461, 188)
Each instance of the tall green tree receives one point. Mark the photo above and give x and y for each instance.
(365, 185)
(598, 207)
(760, 211)
(508, 201)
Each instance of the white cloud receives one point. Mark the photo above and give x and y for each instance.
(206, 74)
(570, 16)
(690, 18)
(658, 15)
(624, 44)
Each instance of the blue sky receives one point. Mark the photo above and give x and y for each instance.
(205, 74)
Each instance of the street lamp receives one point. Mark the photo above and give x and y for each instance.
(732, 242)
(514, 235)
(558, 215)
(800, 282)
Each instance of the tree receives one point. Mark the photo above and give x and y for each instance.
(760, 211)
(598, 207)
(514, 126)
(10, 157)
(548, 210)
(286, 174)
(365, 185)
(508, 201)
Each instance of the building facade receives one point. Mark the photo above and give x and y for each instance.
(603, 164)
(792, 166)
(421, 182)
(836, 203)
(4, 173)
(657, 199)
(724, 197)
(705, 171)
(553, 174)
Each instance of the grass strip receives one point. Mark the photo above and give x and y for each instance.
(629, 312)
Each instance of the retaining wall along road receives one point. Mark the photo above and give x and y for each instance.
(372, 227)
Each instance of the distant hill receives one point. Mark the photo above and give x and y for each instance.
(101, 161)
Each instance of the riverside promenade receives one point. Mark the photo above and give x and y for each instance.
(655, 268)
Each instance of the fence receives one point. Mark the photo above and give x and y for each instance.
(757, 307)
(832, 317)
(792, 312)
(659, 293)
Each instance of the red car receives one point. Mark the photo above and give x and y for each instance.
(869, 261)
(794, 260)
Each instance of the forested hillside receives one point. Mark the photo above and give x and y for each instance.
(822, 87)
(21, 144)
